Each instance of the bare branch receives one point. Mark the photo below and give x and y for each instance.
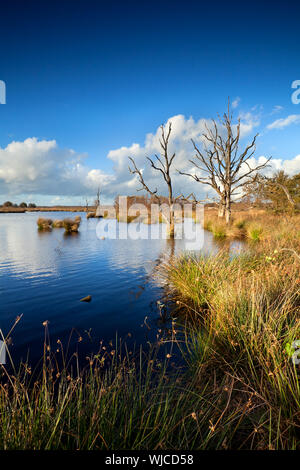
(162, 165)
(136, 171)
(221, 161)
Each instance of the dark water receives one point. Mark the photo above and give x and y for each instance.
(43, 275)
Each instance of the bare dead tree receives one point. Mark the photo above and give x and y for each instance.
(97, 200)
(163, 165)
(221, 165)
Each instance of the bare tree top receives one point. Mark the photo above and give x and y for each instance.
(221, 162)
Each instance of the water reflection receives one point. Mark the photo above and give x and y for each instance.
(43, 275)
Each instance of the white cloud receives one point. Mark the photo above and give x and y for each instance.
(276, 109)
(249, 121)
(284, 122)
(291, 167)
(236, 102)
(183, 130)
(25, 161)
(41, 169)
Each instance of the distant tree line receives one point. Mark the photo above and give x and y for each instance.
(23, 204)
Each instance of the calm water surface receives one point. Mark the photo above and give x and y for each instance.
(43, 275)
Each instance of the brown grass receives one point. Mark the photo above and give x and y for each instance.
(244, 313)
(71, 225)
(44, 224)
(58, 223)
(255, 224)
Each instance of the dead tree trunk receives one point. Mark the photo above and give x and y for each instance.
(163, 165)
(171, 216)
(220, 164)
(221, 211)
(227, 208)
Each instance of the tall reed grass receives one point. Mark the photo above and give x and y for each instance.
(118, 401)
(247, 311)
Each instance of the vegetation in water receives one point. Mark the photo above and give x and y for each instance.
(226, 381)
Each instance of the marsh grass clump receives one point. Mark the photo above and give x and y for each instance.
(207, 225)
(253, 225)
(254, 232)
(240, 223)
(71, 225)
(216, 226)
(219, 230)
(234, 232)
(90, 215)
(127, 219)
(44, 224)
(58, 223)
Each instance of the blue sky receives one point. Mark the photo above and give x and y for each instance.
(97, 76)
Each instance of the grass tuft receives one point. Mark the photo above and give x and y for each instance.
(71, 225)
(255, 232)
(44, 224)
(58, 223)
